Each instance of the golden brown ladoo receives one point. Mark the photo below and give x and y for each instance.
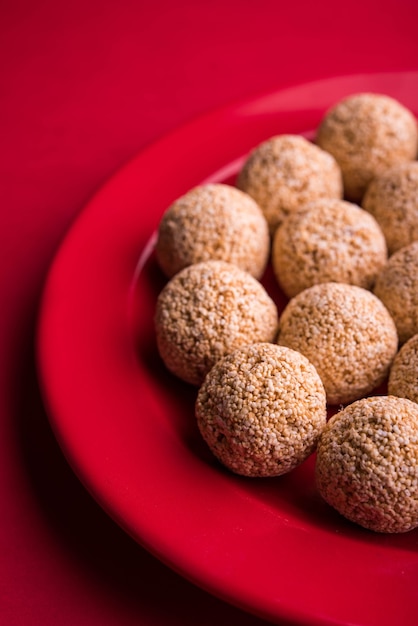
(261, 409)
(287, 171)
(213, 222)
(348, 335)
(367, 133)
(403, 377)
(208, 310)
(328, 240)
(392, 198)
(367, 463)
(397, 287)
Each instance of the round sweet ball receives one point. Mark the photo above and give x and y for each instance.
(328, 240)
(261, 410)
(367, 463)
(392, 198)
(397, 287)
(208, 310)
(367, 133)
(403, 378)
(346, 332)
(213, 222)
(287, 171)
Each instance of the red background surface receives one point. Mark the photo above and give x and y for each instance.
(84, 86)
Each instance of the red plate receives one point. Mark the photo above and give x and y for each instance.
(270, 546)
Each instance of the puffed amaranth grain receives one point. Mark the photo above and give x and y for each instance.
(213, 222)
(261, 410)
(392, 198)
(287, 171)
(328, 240)
(397, 287)
(403, 377)
(208, 310)
(346, 332)
(367, 133)
(367, 463)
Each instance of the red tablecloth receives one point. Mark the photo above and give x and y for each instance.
(84, 86)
